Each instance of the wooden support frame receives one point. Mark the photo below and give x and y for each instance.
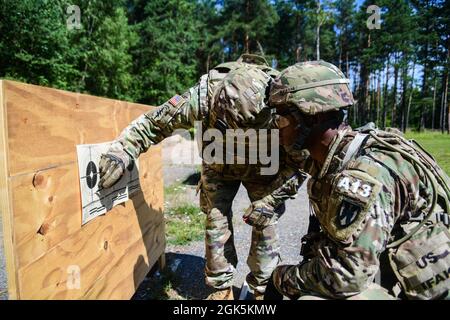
(49, 255)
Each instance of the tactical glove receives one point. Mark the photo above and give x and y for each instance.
(261, 213)
(112, 165)
(271, 292)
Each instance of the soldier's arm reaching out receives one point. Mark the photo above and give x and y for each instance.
(180, 112)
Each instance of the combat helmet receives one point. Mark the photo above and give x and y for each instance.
(240, 100)
(310, 87)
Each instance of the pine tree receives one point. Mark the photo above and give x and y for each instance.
(165, 57)
(101, 49)
(34, 42)
(245, 26)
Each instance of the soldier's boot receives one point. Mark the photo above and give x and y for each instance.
(258, 295)
(225, 294)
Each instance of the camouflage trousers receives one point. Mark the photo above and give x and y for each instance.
(373, 292)
(217, 191)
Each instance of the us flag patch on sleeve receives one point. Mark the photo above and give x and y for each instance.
(176, 100)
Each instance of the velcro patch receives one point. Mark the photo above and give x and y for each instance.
(354, 192)
(176, 100)
(355, 187)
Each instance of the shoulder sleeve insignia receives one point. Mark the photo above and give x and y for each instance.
(176, 100)
(353, 193)
(357, 186)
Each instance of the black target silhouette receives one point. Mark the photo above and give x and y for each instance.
(91, 175)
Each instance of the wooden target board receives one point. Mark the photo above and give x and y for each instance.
(49, 253)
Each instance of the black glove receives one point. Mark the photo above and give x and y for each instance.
(271, 292)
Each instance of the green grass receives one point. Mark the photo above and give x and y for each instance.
(174, 189)
(437, 144)
(184, 223)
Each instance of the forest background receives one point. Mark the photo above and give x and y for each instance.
(396, 53)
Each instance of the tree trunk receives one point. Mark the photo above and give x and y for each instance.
(364, 82)
(444, 97)
(422, 121)
(373, 99)
(208, 61)
(247, 43)
(433, 111)
(378, 97)
(446, 106)
(410, 97)
(404, 93)
(356, 92)
(426, 50)
(385, 94)
(298, 53)
(247, 38)
(394, 95)
(347, 68)
(319, 22)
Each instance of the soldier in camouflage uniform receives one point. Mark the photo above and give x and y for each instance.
(377, 197)
(230, 96)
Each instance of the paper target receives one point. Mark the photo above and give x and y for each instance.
(93, 201)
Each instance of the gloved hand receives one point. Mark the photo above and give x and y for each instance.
(271, 292)
(308, 240)
(112, 165)
(261, 213)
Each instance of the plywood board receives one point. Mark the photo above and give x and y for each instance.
(46, 245)
(45, 124)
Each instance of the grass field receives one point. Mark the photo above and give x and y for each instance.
(184, 220)
(437, 144)
(184, 223)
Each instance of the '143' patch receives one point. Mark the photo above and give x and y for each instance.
(353, 193)
(356, 186)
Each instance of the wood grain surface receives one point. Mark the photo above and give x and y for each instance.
(40, 198)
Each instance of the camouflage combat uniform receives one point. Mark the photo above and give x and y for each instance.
(361, 205)
(368, 195)
(220, 182)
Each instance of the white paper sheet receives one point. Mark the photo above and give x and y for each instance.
(95, 202)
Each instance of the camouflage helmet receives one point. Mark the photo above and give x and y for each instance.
(239, 100)
(311, 88)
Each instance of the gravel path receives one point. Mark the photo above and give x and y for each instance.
(187, 262)
(3, 282)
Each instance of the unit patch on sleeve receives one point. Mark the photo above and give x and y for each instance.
(351, 184)
(354, 192)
